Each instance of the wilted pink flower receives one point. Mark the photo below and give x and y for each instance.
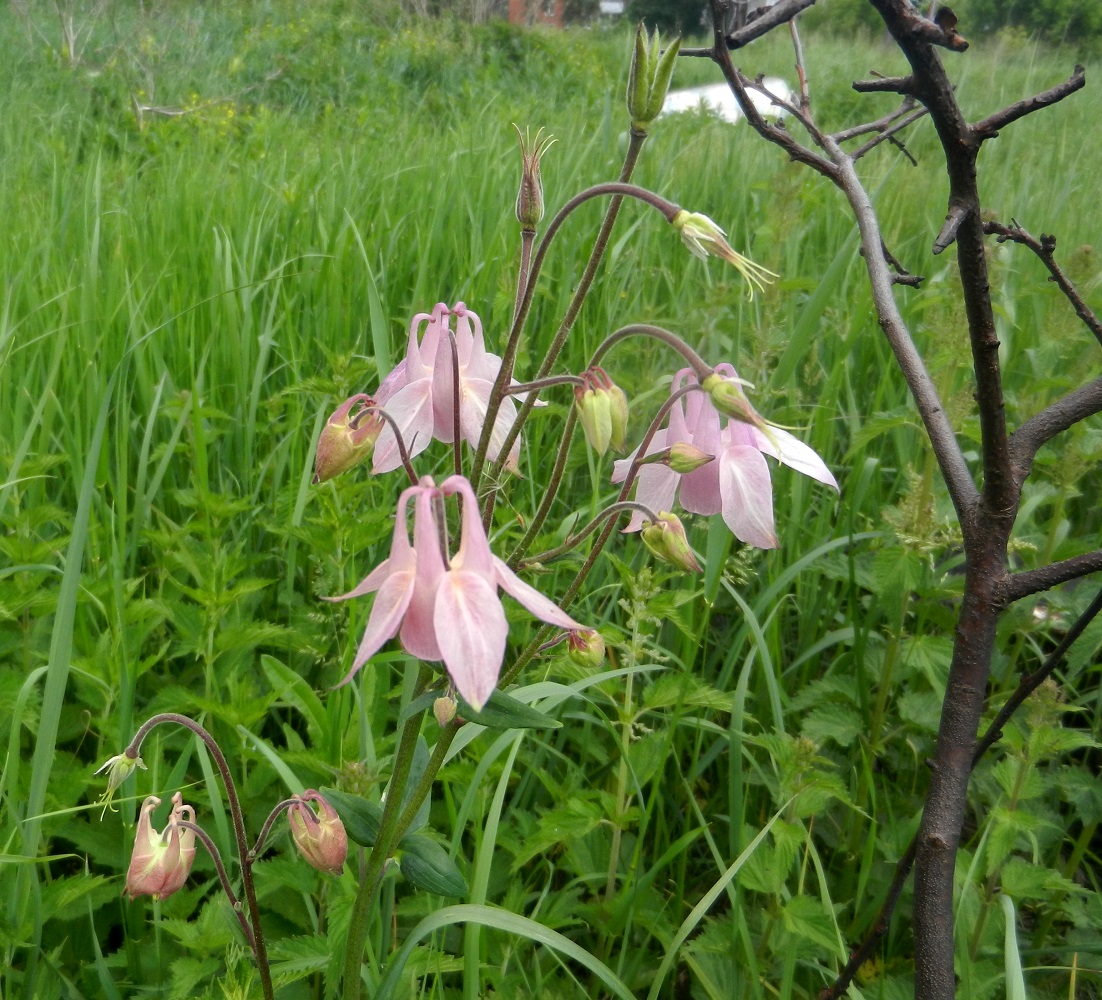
(320, 837)
(737, 482)
(446, 607)
(419, 394)
(161, 862)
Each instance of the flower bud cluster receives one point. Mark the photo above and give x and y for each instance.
(649, 78)
(602, 410)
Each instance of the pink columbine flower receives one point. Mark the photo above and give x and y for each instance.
(441, 606)
(419, 394)
(161, 862)
(736, 483)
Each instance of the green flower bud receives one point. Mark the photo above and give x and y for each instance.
(666, 540)
(444, 710)
(685, 458)
(602, 411)
(586, 648)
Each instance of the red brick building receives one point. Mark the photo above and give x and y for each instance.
(537, 12)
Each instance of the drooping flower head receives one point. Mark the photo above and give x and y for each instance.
(161, 862)
(422, 391)
(445, 606)
(118, 769)
(737, 482)
(347, 438)
(319, 836)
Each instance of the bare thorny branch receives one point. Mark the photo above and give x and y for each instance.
(986, 512)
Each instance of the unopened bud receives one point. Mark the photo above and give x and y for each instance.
(665, 537)
(347, 437)
(685, 458)
(602, 410)
(161, 862)
(586, 648)
(320, 837)
(529, 207)
(705, 239)
(444, 710)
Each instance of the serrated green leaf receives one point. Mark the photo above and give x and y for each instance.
(807, 919)
(835, 721)
(291, 687)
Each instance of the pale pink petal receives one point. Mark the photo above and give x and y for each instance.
(474, 548)
(471, 628)
(391, 384)
(411, 410)
(747, 496)
(476, 400)
(418, 634)
(544, 609)
(386, 615)
(655, 487)
(793, 453)
(700, 491)
(621, 465)
(443, 393)
(368, 585)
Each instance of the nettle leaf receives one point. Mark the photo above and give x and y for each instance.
(188, 974)
(930, 655)
(572, 820)
(838, 687)
(808, 919)
(1023, 880)
(296, 957)
(1083, 791)
(671, 690)
(360, 817)
(1007, 827)
(833, 721)
(428, 866)
(1053, 741)
(69, 898)
(922, 709)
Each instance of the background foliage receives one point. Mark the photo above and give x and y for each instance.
(219, 223)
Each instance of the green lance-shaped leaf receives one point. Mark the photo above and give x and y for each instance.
(360, 817)
(504, 712)
(428, 866)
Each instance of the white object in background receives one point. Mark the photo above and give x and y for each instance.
(718, 99)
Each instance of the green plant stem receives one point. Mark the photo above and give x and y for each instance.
(384, 846)
(527, 238)
(134, 750)
(618, 189)
(580, 536)
(220, 868)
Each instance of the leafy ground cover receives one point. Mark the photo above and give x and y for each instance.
(219, 222)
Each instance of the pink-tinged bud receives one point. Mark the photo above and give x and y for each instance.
(444, 710)
(161, 862)
(586, 648)
(705, 239)
(602, 411)
(666, 540)
(727, 396)
(529, 207)
(347, 438)
(320, 837)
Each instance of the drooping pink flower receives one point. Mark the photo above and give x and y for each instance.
(161, 862)
(319, 836)
(441, 606)
(737, 482)
(420, 393)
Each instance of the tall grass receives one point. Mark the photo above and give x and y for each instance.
(186, 295)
